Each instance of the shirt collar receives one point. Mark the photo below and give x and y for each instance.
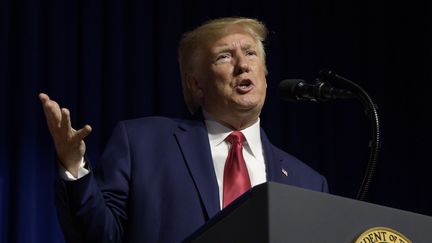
(218, 133)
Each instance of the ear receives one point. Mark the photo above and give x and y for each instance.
(194, 86)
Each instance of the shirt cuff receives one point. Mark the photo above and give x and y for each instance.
(66, 175)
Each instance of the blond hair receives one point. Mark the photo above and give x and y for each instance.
(213, 30)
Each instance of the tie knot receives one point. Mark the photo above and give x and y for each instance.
(236, 137)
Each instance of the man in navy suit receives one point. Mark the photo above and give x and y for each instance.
(159, 179)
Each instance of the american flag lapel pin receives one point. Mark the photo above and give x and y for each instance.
(284, 172)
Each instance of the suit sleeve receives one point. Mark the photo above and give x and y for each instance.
(94, 207)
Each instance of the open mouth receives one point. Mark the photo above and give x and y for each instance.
(244, 86)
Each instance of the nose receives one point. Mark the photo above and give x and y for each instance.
(242, 65)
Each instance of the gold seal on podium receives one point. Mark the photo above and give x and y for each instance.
(381, 235)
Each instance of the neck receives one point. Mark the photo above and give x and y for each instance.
(236, 122)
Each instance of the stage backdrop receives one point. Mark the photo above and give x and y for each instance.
(113, 60)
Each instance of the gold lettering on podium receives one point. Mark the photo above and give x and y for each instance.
(382, 235)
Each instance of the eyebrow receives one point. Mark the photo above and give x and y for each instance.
(226, 47)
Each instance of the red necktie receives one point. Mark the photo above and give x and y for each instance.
(236, 177)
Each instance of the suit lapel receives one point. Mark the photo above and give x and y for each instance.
(274, 163)
(193, 141)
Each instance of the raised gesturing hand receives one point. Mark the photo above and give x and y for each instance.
(69, 143)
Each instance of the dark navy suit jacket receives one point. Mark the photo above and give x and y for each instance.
(156, 183)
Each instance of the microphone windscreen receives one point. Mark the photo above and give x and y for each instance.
(287, 89)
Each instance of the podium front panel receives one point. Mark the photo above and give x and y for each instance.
(277, 213)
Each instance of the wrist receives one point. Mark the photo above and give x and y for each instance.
(73, 168)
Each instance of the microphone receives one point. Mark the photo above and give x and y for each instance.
(299, 90)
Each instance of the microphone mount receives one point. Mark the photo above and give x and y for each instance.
(371, 112)
(299, 90)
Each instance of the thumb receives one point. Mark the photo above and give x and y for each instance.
(83, 132)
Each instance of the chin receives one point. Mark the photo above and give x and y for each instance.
(248, 103)
(251, 107)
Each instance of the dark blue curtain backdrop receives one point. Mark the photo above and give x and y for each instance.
(113, 60)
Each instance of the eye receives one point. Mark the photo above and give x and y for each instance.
(251, 52)
(222, 57)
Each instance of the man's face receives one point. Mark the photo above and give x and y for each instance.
(231, 76)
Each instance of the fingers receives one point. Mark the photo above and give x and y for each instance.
(52, 111)
(68, 131)
(84, 132)
(59, 121)
(43, 97)
(51, 108)
(65, 120)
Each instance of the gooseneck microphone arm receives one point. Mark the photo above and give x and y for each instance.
(372, 114)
